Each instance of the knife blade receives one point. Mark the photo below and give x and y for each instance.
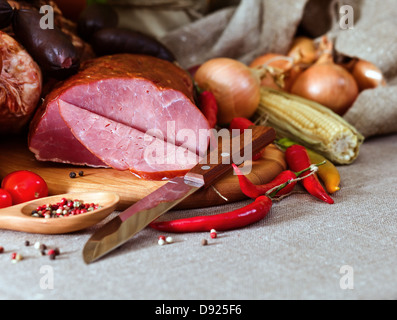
(127, 224)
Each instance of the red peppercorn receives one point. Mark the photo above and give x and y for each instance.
(213, 234)
(13, 255)
(1, 249)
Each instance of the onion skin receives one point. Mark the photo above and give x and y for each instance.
(235, 86)
(303, 50)
(328, 84)
(367, 75)
(291, 71)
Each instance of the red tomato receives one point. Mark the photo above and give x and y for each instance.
(5, 199)
(24, 186)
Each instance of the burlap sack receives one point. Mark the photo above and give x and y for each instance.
(254, 27)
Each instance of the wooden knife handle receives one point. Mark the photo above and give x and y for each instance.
(236, 150)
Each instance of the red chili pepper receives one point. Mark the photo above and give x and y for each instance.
(254, 191)
(239, 218)
(298, 159)
(243, 124)
(209, 107)
(240, 124)
(287, 177)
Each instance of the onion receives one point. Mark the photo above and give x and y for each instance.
(367, 75)
(279, 71)
(327, 83)
(235, 86)
(303, 50)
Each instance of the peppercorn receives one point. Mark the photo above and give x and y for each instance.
(27, 243)
(204, 242)
(213, 234)
(1, 249)
(16, 257)
(81, 173)
(72, 175)
(169, 240)
(64, 208)
(40, 246)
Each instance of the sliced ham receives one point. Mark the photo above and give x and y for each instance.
(130, 149)
(117, 109)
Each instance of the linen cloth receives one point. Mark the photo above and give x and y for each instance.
(303, 248)
(296, 252)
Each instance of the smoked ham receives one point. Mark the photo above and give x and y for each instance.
(128, 112)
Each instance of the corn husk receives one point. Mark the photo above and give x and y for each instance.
(309, 124)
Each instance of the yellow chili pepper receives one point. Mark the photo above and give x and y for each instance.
(328, 173)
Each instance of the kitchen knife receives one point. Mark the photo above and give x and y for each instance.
(128, 223)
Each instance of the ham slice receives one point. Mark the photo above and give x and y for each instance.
(128, 112)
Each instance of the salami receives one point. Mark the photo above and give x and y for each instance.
(128, 112)
(20, 85)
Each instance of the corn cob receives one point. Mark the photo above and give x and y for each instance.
(309, 124)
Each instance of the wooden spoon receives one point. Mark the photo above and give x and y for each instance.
(19, 217)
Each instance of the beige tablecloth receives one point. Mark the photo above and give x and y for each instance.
(297, 252)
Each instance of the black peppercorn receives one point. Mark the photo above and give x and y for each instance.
(72, 175)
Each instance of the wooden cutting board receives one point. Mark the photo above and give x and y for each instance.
(15, 155)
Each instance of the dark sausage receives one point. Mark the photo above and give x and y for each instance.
(50, 48)
(95, 17)
(6, 13)
(119, 40)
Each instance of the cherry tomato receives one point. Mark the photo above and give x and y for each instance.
(25, 186)
(5, 199)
